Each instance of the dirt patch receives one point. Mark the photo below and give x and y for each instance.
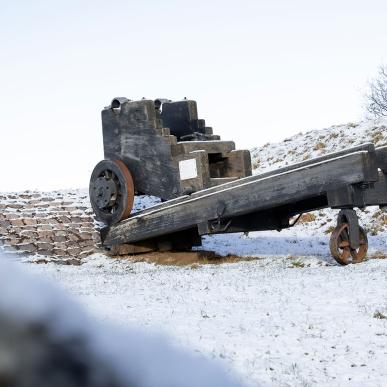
(306, 218)
(185, 258)
(378, 255)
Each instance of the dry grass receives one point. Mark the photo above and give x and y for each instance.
(185, 258)
(329, 230)
(378, 255)
(319, 145)
(307, 218)
(256, 163)
(377, 137)
(379, 315)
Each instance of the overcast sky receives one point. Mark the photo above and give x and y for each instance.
(259, 70)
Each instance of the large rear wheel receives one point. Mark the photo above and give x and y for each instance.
(111, 191)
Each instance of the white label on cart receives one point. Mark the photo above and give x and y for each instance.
(188, 169)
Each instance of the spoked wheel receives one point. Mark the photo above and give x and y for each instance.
(111, 191)
(341, 249)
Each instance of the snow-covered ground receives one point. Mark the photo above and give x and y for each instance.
(291, 317)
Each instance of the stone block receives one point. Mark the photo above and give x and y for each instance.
(75, 226)
(5, 223)
(64, 219)
(28, 247)
(16, 206)
(17, 222)
(61, 227)
(87, 219)
(44, 246)
(3, 231)
(74, 251)
(73, 238)
(25, 196)
(44, 233)
(85, 235)
(29, 233)
(29, 221)
(86, 229)
(87, 252)
(59, 252)
(59, 239)
(70, 209)
(42, 205)
(12, 215)
(60, 233)
(45, 227)
(47, 199)
(72, 243)
(45, 252)
(46, 239)
(96, 237)
(43, 220)
(29, 228)
(88, 243)
(60, 245)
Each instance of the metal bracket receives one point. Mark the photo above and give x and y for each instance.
(217, 226)
(350, 217)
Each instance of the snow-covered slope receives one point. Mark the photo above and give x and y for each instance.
(305, 146)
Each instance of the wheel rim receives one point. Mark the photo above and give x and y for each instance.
(111, 191)
(359, 254)
(340, 246)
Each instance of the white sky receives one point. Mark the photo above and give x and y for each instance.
(259, 70)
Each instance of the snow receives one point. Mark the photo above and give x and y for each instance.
(277, 320)
(136, 358)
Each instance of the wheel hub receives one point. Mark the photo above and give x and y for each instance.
(105, 192)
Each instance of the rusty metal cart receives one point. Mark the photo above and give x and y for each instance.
(161, 148)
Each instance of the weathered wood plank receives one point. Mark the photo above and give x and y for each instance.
(208, 146)
(364, 147)
(368, 147)
(381, 154)
(377, 195)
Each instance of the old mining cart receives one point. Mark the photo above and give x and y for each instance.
(162, 148)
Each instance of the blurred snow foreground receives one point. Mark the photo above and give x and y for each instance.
(47, 340)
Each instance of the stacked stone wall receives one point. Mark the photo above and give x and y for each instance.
(59, 224)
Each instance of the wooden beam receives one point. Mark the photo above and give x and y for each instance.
(246, 195)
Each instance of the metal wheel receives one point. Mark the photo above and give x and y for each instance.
(111, 191)
(359, 254)
(341, 249)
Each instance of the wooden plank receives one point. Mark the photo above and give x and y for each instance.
(327, 157)
(256, 193)
(218, 146)
(368, 147)
(381, 154)
(377, 195)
